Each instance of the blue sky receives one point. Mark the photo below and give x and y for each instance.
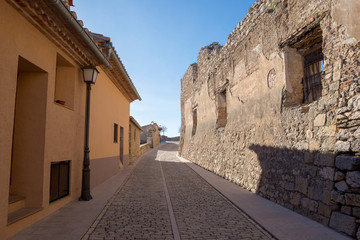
(157, 40)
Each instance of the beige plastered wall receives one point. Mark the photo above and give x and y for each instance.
(62, 128)
(108, 106)
(347, 13)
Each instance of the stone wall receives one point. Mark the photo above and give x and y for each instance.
(302, 156)
(134, 140)
(150, 134)
(144, 148)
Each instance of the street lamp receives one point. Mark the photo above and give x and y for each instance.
(89, 74)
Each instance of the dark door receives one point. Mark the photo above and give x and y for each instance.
(121, 144)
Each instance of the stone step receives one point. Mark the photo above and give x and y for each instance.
(16, 203)
(21, 213)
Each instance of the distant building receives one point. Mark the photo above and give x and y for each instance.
(151, 134)
(42, 113)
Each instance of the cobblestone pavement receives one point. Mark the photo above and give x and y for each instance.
(165, 199)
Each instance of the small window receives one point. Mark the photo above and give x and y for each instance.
(64, 82)
(59, 180)
(314, 63)
(194, 121)
(304, 63)
(116, 127)
(222, 111)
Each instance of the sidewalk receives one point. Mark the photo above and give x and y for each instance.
(283, 223)
(72, 221)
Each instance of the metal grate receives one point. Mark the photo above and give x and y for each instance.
(313, 69)
(59, 180)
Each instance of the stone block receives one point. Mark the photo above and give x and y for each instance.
(320, 189)
(337, 197)
(356, 212)
(341, 146)
(357, 134)
(325, 159)
(327, 131)
(352, 199)
(308, 157)
(314, 145)
(346, 162)
(341, 186)
(324, 209)
(346, 210)
(343, 135)
(353, 179)
(355, 116)
(328, 144)
(339, 176)
(321, 219)
(355, 145)
(295, 198)
(320, 120)
(343, 223)
(288, 186)
(309, 204)
(327, 173)
(301, 184)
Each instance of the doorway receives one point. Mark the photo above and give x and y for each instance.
(27, 162)
(122, 145)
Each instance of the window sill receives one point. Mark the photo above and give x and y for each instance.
(64, 106)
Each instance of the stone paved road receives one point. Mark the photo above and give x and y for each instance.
(165, 199)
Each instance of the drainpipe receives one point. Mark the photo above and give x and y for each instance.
(108, 49)
(71, 20)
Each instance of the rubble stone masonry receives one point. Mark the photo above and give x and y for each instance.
(256, 126)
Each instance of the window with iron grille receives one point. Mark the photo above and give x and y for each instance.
(59, 180)
(222, 111)
(312, 82)
(116, 127)
(303, 62)
(194, 121)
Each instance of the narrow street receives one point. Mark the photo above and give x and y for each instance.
(165, 199)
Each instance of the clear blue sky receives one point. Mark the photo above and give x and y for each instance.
(157, 40)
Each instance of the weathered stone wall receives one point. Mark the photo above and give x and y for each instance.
(144, 148)
(134, 141)
(302, 156)
(150, 134)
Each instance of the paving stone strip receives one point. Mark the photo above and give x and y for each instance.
(165, 199)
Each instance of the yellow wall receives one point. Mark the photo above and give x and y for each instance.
(108, 106)
(62, 127)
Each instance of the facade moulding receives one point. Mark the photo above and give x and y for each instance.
(44, 15)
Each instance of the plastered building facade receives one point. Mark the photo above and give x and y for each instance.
(276, 109)
(42, 110)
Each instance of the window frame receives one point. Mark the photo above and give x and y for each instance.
(194, 126)
(59, 180)
(116, 133)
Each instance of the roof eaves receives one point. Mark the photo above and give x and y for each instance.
(78, 29)
(132, 119)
